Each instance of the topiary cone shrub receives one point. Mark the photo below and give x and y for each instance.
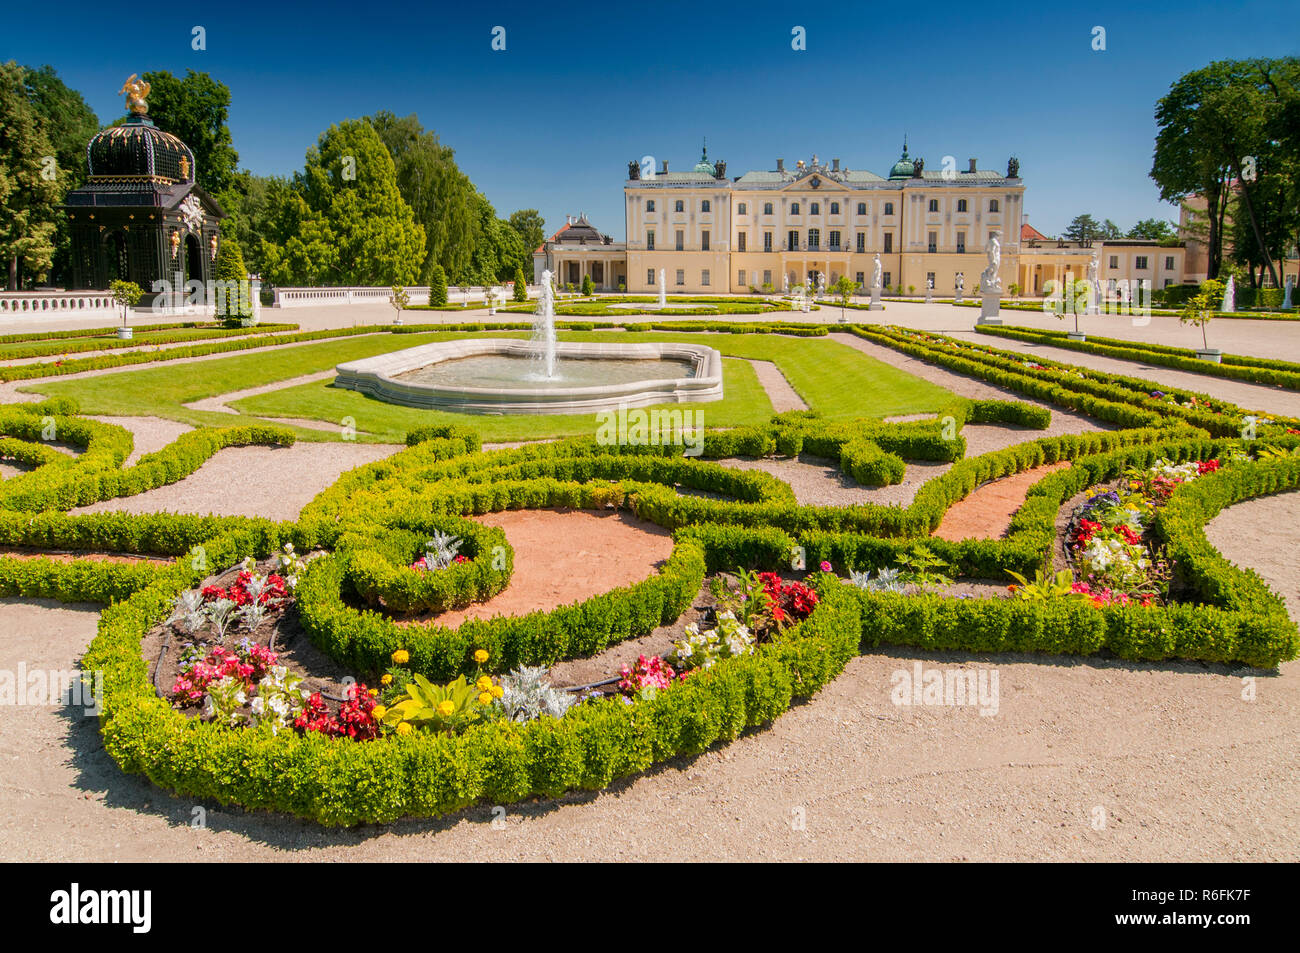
(437, 286)
(521, 285)
(234, 298)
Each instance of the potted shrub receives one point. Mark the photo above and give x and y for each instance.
(399, 299)
(126, 294)
(1198, 311)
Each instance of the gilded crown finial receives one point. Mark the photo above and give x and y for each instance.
(136, 90)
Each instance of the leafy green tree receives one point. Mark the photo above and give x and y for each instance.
(521, 285)
(1152, 230)
(234, 301)
(1109, 231)
(1083, 228)
(250, 203)
(29, 194)
(1201, 307)
(195, 109)
(126, 295)
(69, 123)
(344, 221)
(843, 289)
(530, 225)
(437, 286)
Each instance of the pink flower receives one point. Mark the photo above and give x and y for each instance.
(825, 566)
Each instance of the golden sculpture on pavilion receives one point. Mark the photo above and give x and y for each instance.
(136, 90)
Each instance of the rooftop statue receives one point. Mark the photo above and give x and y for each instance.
(136, 91)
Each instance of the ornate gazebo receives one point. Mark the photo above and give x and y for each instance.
(141, 217)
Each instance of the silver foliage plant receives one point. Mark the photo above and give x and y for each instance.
(441, 550)
(527, 694)
(188, 610)
(887, 580)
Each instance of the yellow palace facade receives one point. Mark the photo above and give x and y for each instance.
(770, 230)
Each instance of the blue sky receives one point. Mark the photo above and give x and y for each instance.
(582, 88)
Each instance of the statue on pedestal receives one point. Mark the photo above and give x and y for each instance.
(990, 279)
(875, 273)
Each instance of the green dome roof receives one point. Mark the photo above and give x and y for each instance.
(904, 167)
(704, 165)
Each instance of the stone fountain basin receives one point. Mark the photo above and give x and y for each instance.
(378, 376)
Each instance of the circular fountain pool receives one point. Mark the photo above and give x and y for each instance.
(504, 376)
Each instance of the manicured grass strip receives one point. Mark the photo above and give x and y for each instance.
(1256, 370)
(109, 342)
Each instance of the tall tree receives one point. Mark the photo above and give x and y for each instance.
(29, 182)
(1083, 228)
(344, 221)
(530, 225)
(1152, 230)
(195, 110)
(69, 123)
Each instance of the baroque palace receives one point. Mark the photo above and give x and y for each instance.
(770, 230)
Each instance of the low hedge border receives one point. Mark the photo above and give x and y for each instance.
(156, 335)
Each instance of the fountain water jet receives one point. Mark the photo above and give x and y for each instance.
(1230, 296)
(663, 289)
(543, 339)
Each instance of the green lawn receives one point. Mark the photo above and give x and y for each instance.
(831, 377)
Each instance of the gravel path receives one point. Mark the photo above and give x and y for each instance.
(783, 396)
(150, 433)
(273, 482)
(1071, 741)
(1238, 531)
(1250, 396)
(221, 402)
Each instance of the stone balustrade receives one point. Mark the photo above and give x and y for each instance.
(56, 304)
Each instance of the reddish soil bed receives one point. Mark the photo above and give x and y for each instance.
(987, 512)
(89, 557)
(562, 557)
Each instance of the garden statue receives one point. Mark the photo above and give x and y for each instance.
(990, 280)
(1094, 286)
(634, 170)
(875, 273)
(1290, 289)
(136, 90)
(1013, 168)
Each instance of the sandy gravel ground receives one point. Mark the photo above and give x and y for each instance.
(1264, 535)
(274, 482)
(1071, 741)
(987, 512)
(783, 396)
(566, 556)
(149, 433)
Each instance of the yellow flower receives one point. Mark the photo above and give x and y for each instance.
(401, 657)
(378, 712)
(485, 698)
(480, 656)
(497, 691)
(386, 680)
(446, 708)
(374, 692)
(484, 683)
(404, 728)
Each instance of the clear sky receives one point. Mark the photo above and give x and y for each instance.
(551, 122)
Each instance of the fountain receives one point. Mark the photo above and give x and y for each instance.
(1230, 296)
(663, 290)
(1286, 294)
(538, 375)
(543, 339)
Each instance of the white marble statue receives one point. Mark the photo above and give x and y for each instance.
(785, 284)
(990, 278)
(961, 282)
(875, 272)
(821, 284)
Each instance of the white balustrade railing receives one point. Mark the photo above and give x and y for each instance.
(310, 297)
(56, 304)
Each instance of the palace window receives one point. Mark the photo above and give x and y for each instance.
(835, 208)
(961, 205)
(834, 241)
(650, 276)
(650, 205)
(862, 242)
(740, 243)
(816, 209)
(889, 244)
(889, 208)
(794, 208)
(934, 205)
(767, 208)
(814, 238)
(767, 277)
(860, 278)
(886, 279)
(1114, 261)
(1169, 263)
(741, 280)
(680, 206)
(740, 209)
(929, 279)
(993, 205)
(1140, 263)
(932, 242)
(704, 277)
(961, 243)
(862, 208)
(792, 240)
(650, 239)
(681, 276)
(706, 206)
(681, 239)
(704, 240)
(767, 241)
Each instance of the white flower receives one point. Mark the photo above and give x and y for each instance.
(684, 649)
(258, 706)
